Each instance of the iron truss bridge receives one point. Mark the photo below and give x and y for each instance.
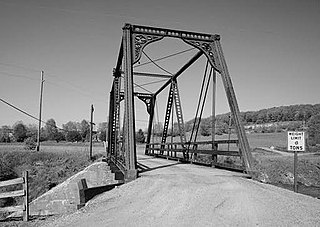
(121, 136)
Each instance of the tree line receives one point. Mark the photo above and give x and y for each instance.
(71, 131)
(285, 118)
(297, 116)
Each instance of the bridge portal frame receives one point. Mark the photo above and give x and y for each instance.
(135, 38)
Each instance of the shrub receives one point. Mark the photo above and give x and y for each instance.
(30, 144)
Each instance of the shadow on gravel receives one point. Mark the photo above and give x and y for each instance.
(143, 168)
(147, 158)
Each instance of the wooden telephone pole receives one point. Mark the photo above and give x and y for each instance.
(91, 128)
(40, 111)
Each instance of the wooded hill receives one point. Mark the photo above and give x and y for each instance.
(294, 113)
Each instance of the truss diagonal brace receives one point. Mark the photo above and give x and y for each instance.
(184, 68)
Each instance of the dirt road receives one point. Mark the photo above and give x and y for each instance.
(174, 194)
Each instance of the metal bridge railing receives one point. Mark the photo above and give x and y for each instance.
(195, 151)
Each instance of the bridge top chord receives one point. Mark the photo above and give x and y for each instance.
(173, 33)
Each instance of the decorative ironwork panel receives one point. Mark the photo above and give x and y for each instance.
(146, 98)
(209, 49)
(140, 41)
(143, 35)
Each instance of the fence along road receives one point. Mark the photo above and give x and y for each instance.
(169, 193)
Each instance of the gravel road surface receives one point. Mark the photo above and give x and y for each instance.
(169, 193)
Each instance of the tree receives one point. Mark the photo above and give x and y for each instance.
(102, 131)
(140, 138)
(73, 136)
(5, 134)
(205, 128)
(70, 126)
(59, 136)
(314, 130)
(20, 132)
(50, 129)
(84, 130)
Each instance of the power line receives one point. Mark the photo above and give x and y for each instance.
(74, 90)
(16, 75)
(36, 70)
(49, 82)
(18, 109)
(29, 115)
(20, 67)
(68, 82)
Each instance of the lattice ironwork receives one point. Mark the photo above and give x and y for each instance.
(143, 35)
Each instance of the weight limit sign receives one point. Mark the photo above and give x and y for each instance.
(296, 141)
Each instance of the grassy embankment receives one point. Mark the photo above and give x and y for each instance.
(47, 168)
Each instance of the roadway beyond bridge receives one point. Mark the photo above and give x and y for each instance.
(169, 193)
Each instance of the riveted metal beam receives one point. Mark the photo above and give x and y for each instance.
(129, 127)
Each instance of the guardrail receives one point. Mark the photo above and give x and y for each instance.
(24, 192)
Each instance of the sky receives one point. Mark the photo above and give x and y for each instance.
(271, 47)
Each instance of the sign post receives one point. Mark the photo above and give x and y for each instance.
(296, 142)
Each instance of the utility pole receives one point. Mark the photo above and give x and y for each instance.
(40, 111)
(91, 127)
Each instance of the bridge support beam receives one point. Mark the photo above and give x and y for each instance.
(244, 147)
(129, 125)
(151, 115)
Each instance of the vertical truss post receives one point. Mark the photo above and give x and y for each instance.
(129, 127)
(167, 117)
(179, 114)
(110, 124)
(174, 98)
(114, 115)
(151, 115)
(243, 141)
(213, 132)
(117, 85)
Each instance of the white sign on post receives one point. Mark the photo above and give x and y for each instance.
(296, 141)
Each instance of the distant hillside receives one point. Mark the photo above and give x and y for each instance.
(281, 114)
(293, 113)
